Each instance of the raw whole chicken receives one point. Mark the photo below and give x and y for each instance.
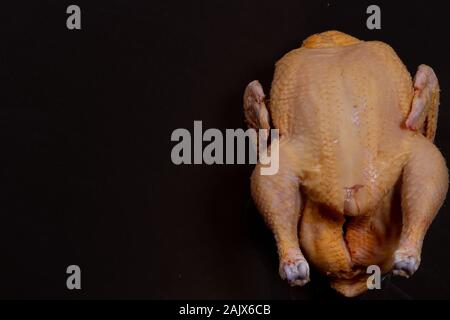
(359, 179)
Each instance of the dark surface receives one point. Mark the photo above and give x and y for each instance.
(85, 124)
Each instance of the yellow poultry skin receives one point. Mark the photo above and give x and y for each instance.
(359, 178)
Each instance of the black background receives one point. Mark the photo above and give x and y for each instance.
(85, 124)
